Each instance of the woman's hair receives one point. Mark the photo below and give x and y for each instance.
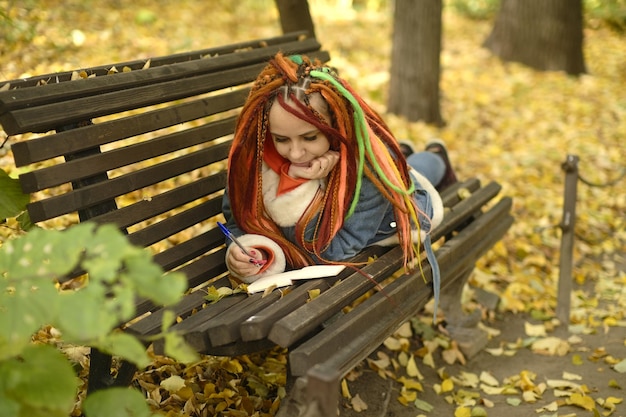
(365, 144)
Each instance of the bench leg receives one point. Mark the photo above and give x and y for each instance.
(297, 403)
(100, 372)
(463, 327)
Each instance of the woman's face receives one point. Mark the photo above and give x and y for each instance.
(295, 139)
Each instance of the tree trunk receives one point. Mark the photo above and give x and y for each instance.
(544, 34)
(415, 64)
(295, 16)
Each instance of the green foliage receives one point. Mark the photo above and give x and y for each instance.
(611, 12)
(13, 201)
(29, 299)
(106, 404)
(476, 9)
(41, 382)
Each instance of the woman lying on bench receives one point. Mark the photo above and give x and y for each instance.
(315, 176)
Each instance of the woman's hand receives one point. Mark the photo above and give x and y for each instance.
(242, 264)
(318, 168)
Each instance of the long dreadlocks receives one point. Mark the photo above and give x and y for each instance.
(357, 132)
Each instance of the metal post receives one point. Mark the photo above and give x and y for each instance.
(570, 166)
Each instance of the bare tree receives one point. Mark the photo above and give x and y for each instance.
(543, 34)
(295, 16)
(415, 61)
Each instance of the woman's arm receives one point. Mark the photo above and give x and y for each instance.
(260, 247)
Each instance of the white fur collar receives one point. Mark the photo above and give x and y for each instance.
(289, 207)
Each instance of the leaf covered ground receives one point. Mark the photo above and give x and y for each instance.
(504, 121)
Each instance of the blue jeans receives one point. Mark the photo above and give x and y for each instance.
(428, 164)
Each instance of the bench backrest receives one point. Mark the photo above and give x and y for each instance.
(144, 149)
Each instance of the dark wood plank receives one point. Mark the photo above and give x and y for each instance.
(259, 325)
(97, 163)
(308, 317)
(161, 75)
(87, 137)
(164, 202)
(138, 64)
(465, 208)
(86, 105)
(176, 223)
(115, 187)
(190, 249)
(207, 269)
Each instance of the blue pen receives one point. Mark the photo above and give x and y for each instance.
(229, 234)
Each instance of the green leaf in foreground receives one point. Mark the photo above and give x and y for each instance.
(40, 383)
(12, 200)
(118, 402)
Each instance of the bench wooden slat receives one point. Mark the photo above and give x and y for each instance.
(189, 249)
(24, 98)
(226, 328)
(410, 293)
(204, 269)
(300, 322)
(48, 116)
(76, 140)
(473, 204)
(259, 325)
(138, 64)
(115, 187)
(54, 115)
(176, 223)
(164, 202)
(116, 158)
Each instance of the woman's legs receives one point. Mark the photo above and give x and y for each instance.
(434, 164)
(429, 164)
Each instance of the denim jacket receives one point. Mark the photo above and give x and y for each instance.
(371, 223)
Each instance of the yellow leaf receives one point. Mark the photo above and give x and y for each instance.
(344, 389)
(447, 385)
(488, 379)
(404, 330)
(428, 360)
(410, 383)
(463, 412)
(582, 401)
(571, 377)
(358, 404)
(173, 383)
(314, 293)
(392, 343)
(537, 330)
(412, 370)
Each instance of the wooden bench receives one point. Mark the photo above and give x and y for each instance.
(145, 148)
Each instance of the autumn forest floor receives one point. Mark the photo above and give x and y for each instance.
(503, 121)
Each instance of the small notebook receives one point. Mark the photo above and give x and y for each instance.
(286, 278)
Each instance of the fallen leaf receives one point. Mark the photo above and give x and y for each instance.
(173, 384)
(423, 405)
(620, 367)
(358, 404)
(582, 401)
(537, 330)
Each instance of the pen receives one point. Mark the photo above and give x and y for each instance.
(229, 234)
